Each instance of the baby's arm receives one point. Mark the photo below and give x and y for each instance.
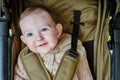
(19, 71)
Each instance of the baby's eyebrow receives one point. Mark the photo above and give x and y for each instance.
(48, 25)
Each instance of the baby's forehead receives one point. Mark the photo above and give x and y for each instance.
(34, 12)
(38, 15)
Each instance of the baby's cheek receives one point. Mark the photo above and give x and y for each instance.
(32, 47)
(54, 42)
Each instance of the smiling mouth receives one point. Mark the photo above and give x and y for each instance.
(43, 44)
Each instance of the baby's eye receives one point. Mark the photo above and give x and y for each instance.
(29, 34)
(44, 29)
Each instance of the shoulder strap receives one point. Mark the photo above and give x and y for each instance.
(67, 67)
(76, 23)
(36, 70)
(34, 67)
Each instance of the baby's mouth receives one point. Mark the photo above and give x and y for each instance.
(43, 44)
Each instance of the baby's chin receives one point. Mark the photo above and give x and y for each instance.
(44, 52)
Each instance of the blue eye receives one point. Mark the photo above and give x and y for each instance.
(29, 34)
(44, 29)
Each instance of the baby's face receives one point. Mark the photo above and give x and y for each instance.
(40, 33)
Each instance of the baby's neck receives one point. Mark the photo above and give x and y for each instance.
(52, 52)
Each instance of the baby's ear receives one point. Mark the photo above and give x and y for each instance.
(59, 29)
(23, 39)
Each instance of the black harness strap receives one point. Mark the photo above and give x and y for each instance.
(76, 23)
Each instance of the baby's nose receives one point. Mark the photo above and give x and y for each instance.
(39, 37)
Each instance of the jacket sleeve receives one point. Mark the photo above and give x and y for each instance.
(20, 72)
(83, 72)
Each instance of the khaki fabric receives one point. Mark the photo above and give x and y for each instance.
(93, 14)
(101, 54)
(118, 6)
(37, 70)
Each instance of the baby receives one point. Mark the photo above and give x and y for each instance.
(43, 37)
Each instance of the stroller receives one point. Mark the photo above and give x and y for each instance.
(99, 33)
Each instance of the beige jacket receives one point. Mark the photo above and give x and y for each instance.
(52, 60)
